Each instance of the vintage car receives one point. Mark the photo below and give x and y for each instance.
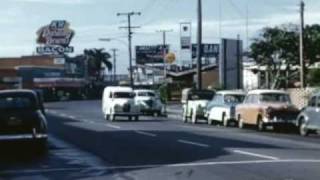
(262, 108)
(22, 117)
(222, 108)
(119, 101)
(149, 102)
(308, 120)
(194, 103)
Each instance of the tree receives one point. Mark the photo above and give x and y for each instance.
(278, 48)
(95, 58)
(314, 77)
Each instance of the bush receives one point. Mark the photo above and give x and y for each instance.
(314, 77)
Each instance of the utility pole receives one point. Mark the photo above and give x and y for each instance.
(164, 43)
(114, 54)
(199, 46)
(130, 27)
(302, 65)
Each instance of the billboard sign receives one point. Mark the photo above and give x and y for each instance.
(230, 64)
(208, 50)
(150, 54)
(55, 38)
(185, 36)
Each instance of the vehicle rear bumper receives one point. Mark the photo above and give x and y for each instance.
(126, 114)
(276, 121)
(23, 137)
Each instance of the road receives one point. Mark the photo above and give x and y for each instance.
(82, 145)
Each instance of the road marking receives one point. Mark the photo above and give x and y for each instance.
(255, 154)
(146, 133)
(193, 143)
(72, 117)
(214, 163)
(113, 126)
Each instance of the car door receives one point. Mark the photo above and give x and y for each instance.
(215, 106)
(253, 109)
(244, 108)
(316, 113)
(310, 111)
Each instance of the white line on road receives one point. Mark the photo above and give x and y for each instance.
(193, 143)
(113, 126)
(71, 117)
(50, 170)
(255, 154)
(146, 133)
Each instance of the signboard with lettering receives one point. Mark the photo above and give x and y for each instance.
(208, 50)
(150, 54)
(55, 38)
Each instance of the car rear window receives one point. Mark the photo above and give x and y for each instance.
(275, 97)
(149, 94)
(17, 103)
(233, 99)
(123, 95)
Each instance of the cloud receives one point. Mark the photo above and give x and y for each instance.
(71, 2)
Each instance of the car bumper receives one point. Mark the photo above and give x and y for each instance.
(126, 114)
(279, 121)
(23, 137)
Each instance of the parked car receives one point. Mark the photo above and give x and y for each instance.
(222, 108)
(194, 103)
(149, 102)
(262, 108)
(119, 101)
(22, 117)
(308, 120)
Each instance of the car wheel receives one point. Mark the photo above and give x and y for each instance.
(136, 118)
(194, 118)
(112, 118)
(107, 117)
(303, 128)
(210, 122)
(185, 118)
(130, 118)
(241, 124)
(41, 146)
(225, 121)
(260, 125)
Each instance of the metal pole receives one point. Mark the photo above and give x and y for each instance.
(114, 50)
(302, 68)
(199, 44)
(129, 27)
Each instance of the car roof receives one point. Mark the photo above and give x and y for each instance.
(231, 92)
(118, 89)
(262, 91)
(144, 90)
(18, 92)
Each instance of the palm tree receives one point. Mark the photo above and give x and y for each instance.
(95, 58)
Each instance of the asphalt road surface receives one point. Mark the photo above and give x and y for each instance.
(82, 145)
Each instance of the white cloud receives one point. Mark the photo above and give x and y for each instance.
(56, 1)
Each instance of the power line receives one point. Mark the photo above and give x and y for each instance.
(130, 27)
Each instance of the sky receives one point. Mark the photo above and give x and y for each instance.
(94, 19)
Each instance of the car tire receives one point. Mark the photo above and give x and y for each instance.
(225, 121)
(41, 146)
(303, 130)
(136, 118)
(107, 117)
(112, 118)
(241, 124)
(194, 118)
(260, 124)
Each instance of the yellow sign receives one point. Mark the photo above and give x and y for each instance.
(170, 58)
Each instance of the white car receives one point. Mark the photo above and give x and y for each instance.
(194, 103)
(119, 101)
(149, 102)
(222, 109)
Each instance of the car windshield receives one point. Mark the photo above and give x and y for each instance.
(275, 97)
(148, 94)
(233, 99)
(127, 95)
(201, 96)
(16, 103)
